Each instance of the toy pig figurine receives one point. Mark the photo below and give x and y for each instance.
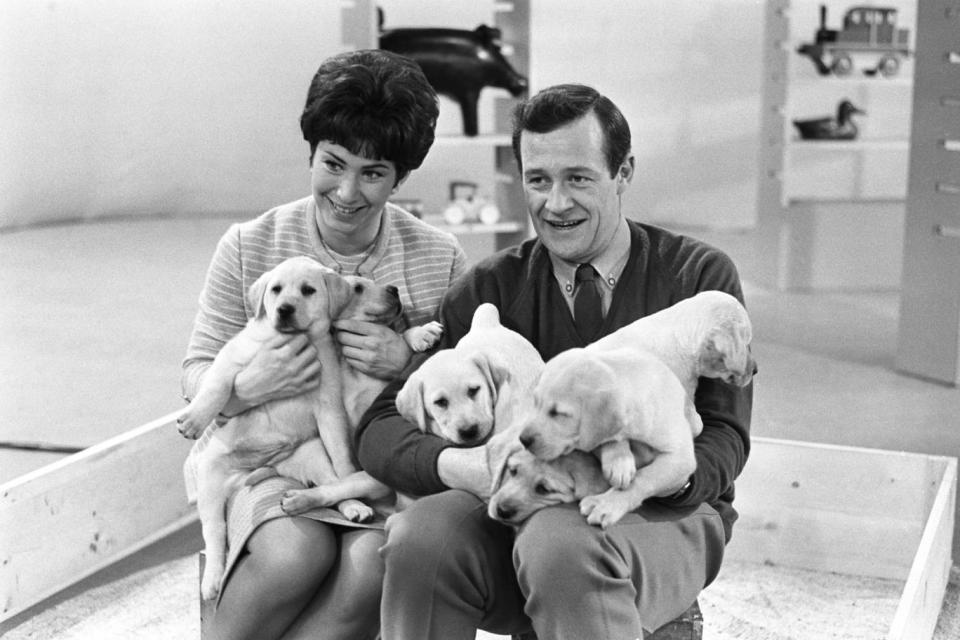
(458, 63)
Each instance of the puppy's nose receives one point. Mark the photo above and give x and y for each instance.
(526, 440)
(469, 432)
(505, 513)
(393, 291)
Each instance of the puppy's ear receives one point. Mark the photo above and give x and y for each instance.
(603, 414)
(498, 450)
(338, 292)
(410, 402)
(255, 295)
(494, 370)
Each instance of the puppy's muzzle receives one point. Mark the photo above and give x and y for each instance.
(285, 317)
(527, 440)
(469, 432)
(505, 513)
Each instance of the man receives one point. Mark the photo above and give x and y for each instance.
(449, 568)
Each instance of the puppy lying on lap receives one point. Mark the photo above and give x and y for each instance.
(307, 437)
(636, 385)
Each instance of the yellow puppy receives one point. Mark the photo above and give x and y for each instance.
(523, 484)
(307, 437)
(464, 393)
(603, 403)
(638, 384)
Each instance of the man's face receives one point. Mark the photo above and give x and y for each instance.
(572, 199)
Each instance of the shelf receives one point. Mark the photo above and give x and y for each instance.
(851, 145)
(477, 228)
(485, 139)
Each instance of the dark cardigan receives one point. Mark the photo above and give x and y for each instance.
(663, 268)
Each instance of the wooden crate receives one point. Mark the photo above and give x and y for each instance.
(820, 507)
(863, 512)
(63, 522)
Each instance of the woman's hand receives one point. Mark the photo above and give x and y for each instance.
(286, 365)
(373, 349)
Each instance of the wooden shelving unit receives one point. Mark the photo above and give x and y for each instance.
(929, 335)
(486, 159)
(830, 213)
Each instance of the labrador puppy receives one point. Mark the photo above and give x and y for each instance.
(481, 385)
(603, 402)
(706, 335)
(638, 383)
(524, 484)
(308, 436)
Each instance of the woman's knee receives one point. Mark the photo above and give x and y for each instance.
(293, 552)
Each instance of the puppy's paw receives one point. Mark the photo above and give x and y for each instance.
(606, 509)
(423, 337)
(355, 511)
(297, 501)
(210, 583)
(620, 472)
(618, 464)
(189, 426)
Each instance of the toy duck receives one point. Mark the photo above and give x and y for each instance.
(840, 128)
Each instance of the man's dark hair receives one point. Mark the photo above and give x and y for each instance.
(560, 105)
(374, 103)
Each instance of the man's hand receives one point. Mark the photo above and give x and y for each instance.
(286, 365)
(466, 469)
(373, 349)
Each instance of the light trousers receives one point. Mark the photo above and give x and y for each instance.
(451, 570)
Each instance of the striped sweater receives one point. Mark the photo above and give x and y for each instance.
(420, 260)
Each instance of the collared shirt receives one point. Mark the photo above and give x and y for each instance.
(609, 265)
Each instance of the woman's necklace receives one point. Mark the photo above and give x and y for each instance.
(343, 262)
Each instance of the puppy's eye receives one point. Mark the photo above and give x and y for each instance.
(511, 471)
(541, 489)
(472, 392)
(552, 412)
(441, 402)
(307, 290)
(276, 288)
(358, 288)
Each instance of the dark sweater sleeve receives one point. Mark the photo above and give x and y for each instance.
(393, 450)
(724, 444)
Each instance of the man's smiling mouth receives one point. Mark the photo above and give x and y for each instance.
(564, 224)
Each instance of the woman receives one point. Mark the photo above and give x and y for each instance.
(369, 120)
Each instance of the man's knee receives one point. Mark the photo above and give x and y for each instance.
(557, 544)
(429, 525)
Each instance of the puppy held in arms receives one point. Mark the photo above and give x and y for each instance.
(307, 437)
(634, 389)
(466, 393)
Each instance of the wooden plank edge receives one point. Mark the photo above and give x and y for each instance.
(94, 451)
(922, 597)
(72, 475)
(158, 535)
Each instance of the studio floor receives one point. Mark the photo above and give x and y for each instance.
(95, 320)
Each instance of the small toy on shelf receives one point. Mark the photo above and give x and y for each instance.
(468, 206)
(458, 63)
(842, 127)
(868, 34)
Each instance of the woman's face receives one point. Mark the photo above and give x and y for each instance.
(350, 191)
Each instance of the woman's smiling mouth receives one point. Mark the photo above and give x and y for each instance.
(342, 209)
